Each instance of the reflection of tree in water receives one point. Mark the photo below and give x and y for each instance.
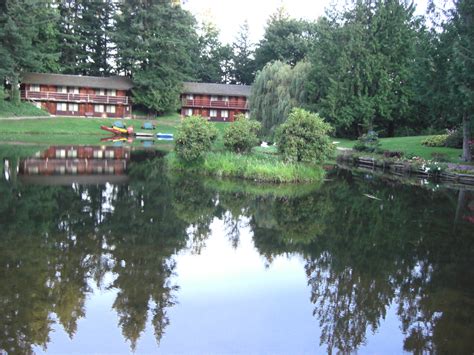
(363, 255)
(53, 239)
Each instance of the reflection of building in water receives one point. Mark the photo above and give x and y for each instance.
(83, 164)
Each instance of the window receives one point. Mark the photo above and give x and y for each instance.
(99, 108)
(188, 112)
(247, 115)
(224, 113)
(61, 106)
(110, 108)
(74, 90)
(73, 107)
(213, 98)
(225, 98)
(213, 113)
(99, 91)
(35, 88)
(112, 92)
(190, 97)
(62, 89)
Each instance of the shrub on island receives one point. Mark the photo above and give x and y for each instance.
(304, 137)
(241, 135)
(194, 138)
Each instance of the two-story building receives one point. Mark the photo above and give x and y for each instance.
(76, 95)
(217, 102)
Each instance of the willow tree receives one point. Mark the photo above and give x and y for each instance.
(276, 90)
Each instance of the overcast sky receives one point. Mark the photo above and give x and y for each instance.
(229, 15)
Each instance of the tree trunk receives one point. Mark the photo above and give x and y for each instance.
(466, 138)
(14, 90)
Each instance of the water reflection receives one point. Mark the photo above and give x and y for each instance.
(413, 248)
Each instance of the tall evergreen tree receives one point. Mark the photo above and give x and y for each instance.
(285, 39)
(243, 57)
(155, 45)
(23, 26)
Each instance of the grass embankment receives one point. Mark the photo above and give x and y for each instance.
(409, 146)
(23, 109)
(75, 130)
(256, 167)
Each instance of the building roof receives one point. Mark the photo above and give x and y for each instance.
(112, 82)
(216, 89)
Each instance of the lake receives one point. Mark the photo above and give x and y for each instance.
(103, 251)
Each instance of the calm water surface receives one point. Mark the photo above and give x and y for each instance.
(102, 251)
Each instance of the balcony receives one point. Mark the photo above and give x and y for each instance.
(206, 103)
(70, 97)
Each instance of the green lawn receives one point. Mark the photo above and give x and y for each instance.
(79, 130)
(409, 145)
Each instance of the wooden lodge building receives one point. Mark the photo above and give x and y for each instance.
(76, 95)
(217, 102)
(90, 96)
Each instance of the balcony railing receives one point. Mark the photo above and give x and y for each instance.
(71, 97)
(203, 103)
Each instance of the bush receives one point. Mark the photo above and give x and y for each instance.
(368, 142)
(304, 137)
(441, 157)
(435, 141)
(454, 138)
(241, 135)
(194, 138)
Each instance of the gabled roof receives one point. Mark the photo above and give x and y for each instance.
(96, 82)
(216, 89)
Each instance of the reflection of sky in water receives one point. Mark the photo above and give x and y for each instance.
(228, 302)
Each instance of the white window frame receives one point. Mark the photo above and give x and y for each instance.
(189, 97)
(99, 108)
(62, 89)
(214, 98)
(112, 92)
(73, 107)
(224, 113)
(35, 87)
(110, 109)
(225, 98)
(99, 91)
(213, 113)
(188, 112)
(73, 90)
(61, 106)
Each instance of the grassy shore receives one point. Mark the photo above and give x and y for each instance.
(409, 146)
(256, 167)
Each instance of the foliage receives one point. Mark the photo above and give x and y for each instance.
(210, 66)
(276, 90)
(194, 138)
(454, 138)
(243, 61)
(435, 141)
(285, 39)
(362, 66)
(368, 142)
(155, 44)
(304, 137)
(250, 167)
(241, 135)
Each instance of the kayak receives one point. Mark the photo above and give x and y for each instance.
(164, 135)
(118, 130)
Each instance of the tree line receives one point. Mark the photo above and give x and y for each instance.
(373, 65)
